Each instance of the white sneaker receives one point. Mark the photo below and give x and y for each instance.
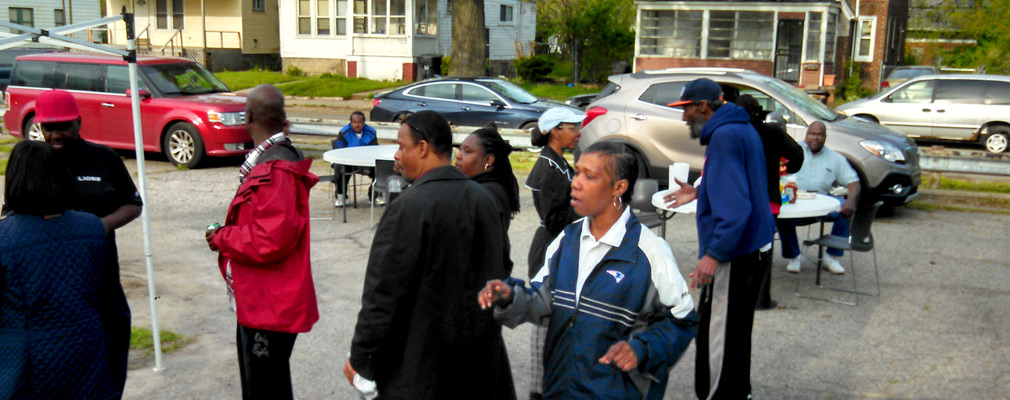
(340, 200)
(379, 201)
(794, 265)
(832, 265)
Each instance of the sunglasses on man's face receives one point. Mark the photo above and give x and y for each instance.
(58, 126)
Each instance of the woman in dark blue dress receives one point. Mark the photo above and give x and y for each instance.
(52, 343)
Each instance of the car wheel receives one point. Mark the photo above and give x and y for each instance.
(528, 127)
(400, 117)
(183, 145)
(997, 139)
(867, 118)
(33, 131)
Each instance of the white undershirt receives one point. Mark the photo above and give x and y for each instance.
(591, 251)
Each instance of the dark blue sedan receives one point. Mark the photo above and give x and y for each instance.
(464, 102)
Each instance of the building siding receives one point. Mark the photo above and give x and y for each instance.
(260, 29)
(45, 17)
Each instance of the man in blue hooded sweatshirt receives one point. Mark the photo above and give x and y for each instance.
(735, 229)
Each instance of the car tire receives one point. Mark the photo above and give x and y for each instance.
(528, 127)
(398, 118)
(33, 131)
(997, 140)
(183, 145)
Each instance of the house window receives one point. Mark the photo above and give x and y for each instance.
(753, 40)
(505, 15)
(721, 25)
(830, 39)
(813, 37)
(304, 17)
(426, 15)
(22, 16)
(360, 16)
(866, 28)
(398, 17)
(259, 5)
(323, 17)
(58, 18)
(671, 33)
(166, 17)
(341, 17)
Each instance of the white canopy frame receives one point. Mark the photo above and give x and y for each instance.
(58, 36)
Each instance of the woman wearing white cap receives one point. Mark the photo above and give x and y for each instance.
(551, 183)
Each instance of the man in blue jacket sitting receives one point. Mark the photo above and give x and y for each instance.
(354, 134)
(735, 229)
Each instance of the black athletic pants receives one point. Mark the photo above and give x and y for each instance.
(263, 363)
(723, 344)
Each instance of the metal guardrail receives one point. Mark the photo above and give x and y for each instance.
(519, 139)
(966, 165)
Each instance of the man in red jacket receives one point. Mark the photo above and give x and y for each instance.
(264, 251)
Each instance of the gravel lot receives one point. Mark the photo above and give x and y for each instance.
(936, 331)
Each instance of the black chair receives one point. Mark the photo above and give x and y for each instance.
(860, 239)
(641, 203)
(387, 181)
(333, 210)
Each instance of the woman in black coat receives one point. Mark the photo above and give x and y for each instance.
(484, 157)
(551, 183)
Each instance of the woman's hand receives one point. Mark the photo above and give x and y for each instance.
(622, 355)
(210, 239)
(494, 290)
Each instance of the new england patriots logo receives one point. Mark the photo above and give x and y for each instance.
(618, 275)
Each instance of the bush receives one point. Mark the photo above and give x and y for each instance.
(534, 68)
(444, 68)
(852, 88)
(295, 71)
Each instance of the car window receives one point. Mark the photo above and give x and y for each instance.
(438, 90)
(909, 73)
(478, 94)
(34, 74)
(956, 91)
(509, 90)
(918, 92)
(802, 101)
(662, 93)
(88, 77)
(185, 78)
(997, 93)
(771, 105)
(117, 79)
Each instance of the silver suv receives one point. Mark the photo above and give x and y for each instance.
(966, 108)
(632, 109)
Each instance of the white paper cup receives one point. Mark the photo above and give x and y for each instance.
(679, 171)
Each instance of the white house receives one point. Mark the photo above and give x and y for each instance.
(381, 39)
(47, 14)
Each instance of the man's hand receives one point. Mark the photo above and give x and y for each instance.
(703, 273)
(493, 291)
(349, 372)
(849, 208)
(622, 355)
(210, 239)
(684, 195)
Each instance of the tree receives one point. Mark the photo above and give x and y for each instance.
(468, 38)
(984, 21)
(595, 33)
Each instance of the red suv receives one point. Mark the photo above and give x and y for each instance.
(186, 112)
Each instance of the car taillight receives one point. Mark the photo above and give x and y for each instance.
(592, 113)
(884, 85)
(375, 102)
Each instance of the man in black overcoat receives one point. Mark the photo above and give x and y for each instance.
(420, 334)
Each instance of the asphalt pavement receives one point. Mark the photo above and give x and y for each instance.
(935, 332)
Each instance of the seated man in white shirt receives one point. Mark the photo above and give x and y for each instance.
(822, 169)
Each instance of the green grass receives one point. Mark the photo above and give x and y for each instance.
(556, 91)
(522, 161)
(142, 339)
(929, 181)
(328, 85)
(3, 167)
(238, 80)
(931, 207)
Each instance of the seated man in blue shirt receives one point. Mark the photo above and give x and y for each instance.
(354, 134)
(822, 169)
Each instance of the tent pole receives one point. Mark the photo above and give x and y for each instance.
(138, 139)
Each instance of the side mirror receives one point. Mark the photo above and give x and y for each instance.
(888, 99)
(143, 93)
(498, 103)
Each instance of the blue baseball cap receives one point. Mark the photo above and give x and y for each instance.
(698, 90)
(555, 116)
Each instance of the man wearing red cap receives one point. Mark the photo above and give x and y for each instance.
(104, 188)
